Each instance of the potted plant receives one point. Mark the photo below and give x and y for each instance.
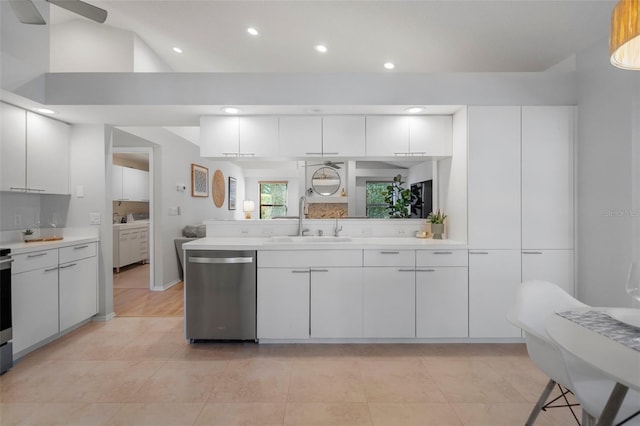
(398, 198)
(28, 234)
(437, 223)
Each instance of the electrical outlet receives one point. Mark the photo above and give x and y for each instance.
(94, 218)
(17, 220)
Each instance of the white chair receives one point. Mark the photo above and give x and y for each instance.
(535, 300)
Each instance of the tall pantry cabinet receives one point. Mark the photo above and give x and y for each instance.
(520, 207)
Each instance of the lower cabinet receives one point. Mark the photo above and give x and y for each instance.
(494, 276)
(336, 302)
(442, 302)
(283, 303)
(555, 266)
(130, 245)
(34, 296)
(389, 302)
(78, 291)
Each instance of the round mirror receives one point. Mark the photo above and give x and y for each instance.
(325, 181)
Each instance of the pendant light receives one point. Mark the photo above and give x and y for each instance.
(624, 40)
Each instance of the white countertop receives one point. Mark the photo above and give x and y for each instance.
(132, 225)
(22, 247)
(265, 243)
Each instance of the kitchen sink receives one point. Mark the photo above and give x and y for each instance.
(310, 239)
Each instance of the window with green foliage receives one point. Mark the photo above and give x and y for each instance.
(376, 206)
(273, 199)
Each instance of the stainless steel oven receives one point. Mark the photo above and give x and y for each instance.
(6, 332)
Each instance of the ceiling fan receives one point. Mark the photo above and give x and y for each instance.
(332, 164)
(27, 12)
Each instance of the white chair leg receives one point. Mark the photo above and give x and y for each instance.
(588, 419)
(541, 401)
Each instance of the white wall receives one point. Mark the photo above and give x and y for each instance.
(606, 192)
(24, 48)
(88, 152)
(145, 59)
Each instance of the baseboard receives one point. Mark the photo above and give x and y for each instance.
(104, 318)
(166, 286)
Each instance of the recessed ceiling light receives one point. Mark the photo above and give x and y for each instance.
(231, 110)
(321, 48)
(45, 110)
(389, 65)
(414, 110)
(252, 31)
(177, 50)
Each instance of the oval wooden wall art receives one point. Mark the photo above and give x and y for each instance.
(217, 186)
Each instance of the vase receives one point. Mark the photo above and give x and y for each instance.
(437, 229)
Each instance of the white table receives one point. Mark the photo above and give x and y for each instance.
(617, 361)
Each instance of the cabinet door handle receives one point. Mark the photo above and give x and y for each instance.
(425, 270)
(68, 266)
(231, 154)
(313, 153)
(36, 189)
(51, 269)
(478, 252)
(402, 154)
(406, 270)
(304, 271)
(319, 270)
(37, 255)
(531, 252)
(80, 247)
(15, 188)
(389, 252)
(442, 252)
(330, 153)
(419, 153)
(247, 154)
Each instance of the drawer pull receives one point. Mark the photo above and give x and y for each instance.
(406, 270)
(313, 153)
(305, 271)
(425, 270)
(478, 252)
(330, 153)
(442, 252)
(319, 270)
(36, 255)
(531, 252)
(51, 269)
(80, 247)
(68, 266)
(389, 252)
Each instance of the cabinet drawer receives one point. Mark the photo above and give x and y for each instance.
(77, 252)
(34, 260)
(389, 258)
(442, 258)
(309, 258)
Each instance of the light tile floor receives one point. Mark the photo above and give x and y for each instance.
(141, 371)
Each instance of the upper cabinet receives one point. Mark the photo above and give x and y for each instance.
(343, 136)
(300, 136)
(238, 136)
(387, 136)
(547, 177)
(130, 184)
(35, 152)
(431, 135)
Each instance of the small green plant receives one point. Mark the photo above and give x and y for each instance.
(28, 231)
(397, 198)
(437, 217)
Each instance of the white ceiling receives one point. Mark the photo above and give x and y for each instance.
(418, 36)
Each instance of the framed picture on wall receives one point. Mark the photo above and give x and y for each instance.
(232, 193)
(199, 181)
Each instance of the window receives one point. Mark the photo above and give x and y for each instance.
(376, 206)
(273, 199)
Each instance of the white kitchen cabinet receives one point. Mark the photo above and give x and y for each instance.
(442, 299)
(389, 302)
(387, 136)
(300, 136)
(34, 301)
(78, 281)
(494, 192)
(238, 136)
(131, 244)
(556, 266)
(47, 155)
(547, 177)
(431, 135)
(116, 182)
(13, 122)
(35, 152)
(283, 303)
(336, 302)
(343, 136)
(494, 276)
(135, 184)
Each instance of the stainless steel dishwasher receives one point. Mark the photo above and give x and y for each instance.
(220, 295)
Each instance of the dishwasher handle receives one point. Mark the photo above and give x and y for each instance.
(193, 259)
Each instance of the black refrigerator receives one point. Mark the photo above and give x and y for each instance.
(421, 199)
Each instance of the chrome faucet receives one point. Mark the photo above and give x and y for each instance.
(301, 208)
(337, 229)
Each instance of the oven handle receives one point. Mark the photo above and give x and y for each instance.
(3, 261)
